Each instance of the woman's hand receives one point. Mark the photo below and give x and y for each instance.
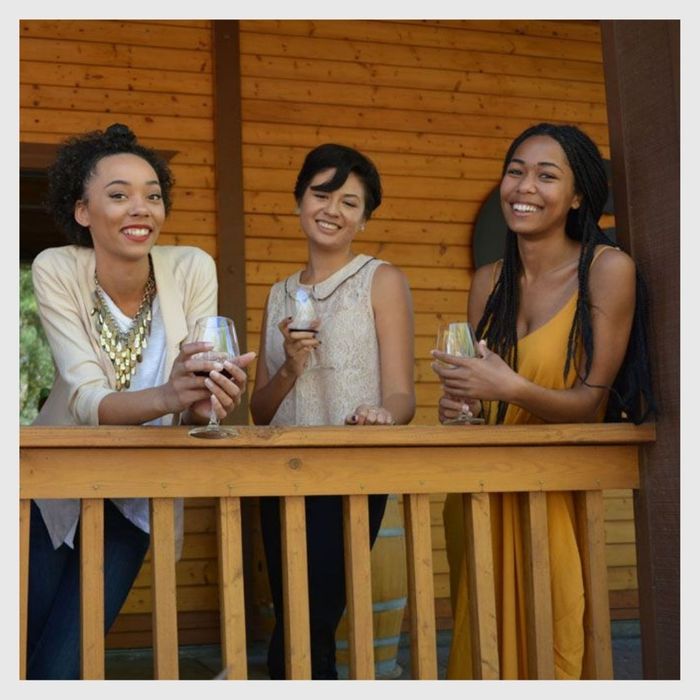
(450, 407)
(183, 387)
(224, 393)
(298, 346)
(487, 377)
(365, 414)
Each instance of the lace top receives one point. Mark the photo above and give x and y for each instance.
(348, 358)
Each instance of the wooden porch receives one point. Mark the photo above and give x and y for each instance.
(416, 461)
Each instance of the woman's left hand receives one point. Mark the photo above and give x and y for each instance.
(486, 377)
(365, 414)
(226, 393)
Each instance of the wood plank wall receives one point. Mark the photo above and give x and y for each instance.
(434, 103)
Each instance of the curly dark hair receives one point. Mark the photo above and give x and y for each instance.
(75, 164)
(631, 393)
(345, 160)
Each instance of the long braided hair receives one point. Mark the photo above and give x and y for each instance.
(630, 395)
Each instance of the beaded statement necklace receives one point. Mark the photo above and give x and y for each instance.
(125, 349)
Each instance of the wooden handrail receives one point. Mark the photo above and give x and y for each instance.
(157, 463)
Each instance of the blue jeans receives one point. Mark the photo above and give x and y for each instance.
(53, 633)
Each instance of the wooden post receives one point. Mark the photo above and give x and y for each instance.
(92, 600)
(358, 587)
(24, 519)
(482, 598)
(540, 628)
(231, 589)
(295, 588)
(165, 645)
(420, 586)
(642, 84)
(590, 522)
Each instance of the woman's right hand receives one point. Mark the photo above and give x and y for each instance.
(450, 407)
(298, 346)
(183, 387)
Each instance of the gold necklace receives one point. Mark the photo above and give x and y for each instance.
(125, 350)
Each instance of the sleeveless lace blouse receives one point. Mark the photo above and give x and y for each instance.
(349, 353)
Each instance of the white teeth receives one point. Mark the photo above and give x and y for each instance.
(523, 207)
(137, 231)
(328, 226)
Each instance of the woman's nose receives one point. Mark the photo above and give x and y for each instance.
(527, 183)
(138, 206)
(331, 206)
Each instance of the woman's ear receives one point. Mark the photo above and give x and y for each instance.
(576, 202)
(81, 213)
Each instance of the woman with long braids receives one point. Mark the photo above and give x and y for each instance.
(561, 322)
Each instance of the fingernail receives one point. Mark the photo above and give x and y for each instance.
(209, 384)
(218, 366)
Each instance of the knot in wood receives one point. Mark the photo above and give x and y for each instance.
(295, 463)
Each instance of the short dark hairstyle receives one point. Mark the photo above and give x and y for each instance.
(345, 160)
(75, 164)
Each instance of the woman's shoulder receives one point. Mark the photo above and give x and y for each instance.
(182, 255)
(610, 261)
(485, 276)
(62, 262)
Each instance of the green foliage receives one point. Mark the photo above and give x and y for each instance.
(36, 369)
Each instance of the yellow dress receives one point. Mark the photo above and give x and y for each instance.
(541, 356)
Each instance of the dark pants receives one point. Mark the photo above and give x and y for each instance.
(54, 591)
(326, 571)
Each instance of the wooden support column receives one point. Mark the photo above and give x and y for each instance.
(642, 79)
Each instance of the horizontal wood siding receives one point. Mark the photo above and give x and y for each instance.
(434, 103)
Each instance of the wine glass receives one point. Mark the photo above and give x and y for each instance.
(305, 314)
(221, 332)
(459, 339)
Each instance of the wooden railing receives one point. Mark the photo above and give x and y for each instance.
(164, 463)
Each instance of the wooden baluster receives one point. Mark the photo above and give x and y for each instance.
(92, 594)
(164, 590)
(482, 593)
(590, 521)
(420, 586)
(540, 628)
(231, 590)
(25, 505)
(295, 587)
(358, 586)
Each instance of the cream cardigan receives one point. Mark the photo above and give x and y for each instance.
(64, 286)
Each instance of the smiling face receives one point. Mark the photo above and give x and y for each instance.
(538, 188)
(123, 207)
(332, 219)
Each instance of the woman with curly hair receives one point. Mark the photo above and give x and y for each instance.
(561, 320)
(117, 310)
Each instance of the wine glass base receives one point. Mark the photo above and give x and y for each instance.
(213, 432)
(464, 420)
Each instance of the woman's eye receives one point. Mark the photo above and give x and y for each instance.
(156, 196)
(514, 171)
(350, 204)
(547, 176)
(117, 195)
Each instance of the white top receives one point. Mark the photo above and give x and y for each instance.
(349, 351)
